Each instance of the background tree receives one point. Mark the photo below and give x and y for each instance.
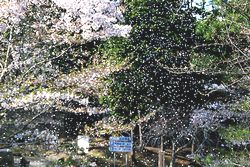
(223, 41)
(181, 69)
(161, 38)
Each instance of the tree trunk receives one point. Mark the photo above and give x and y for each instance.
(172, 163)
(161, 159)
(133, 159)
(140, 132)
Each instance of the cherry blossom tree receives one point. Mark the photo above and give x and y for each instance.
(45, 49)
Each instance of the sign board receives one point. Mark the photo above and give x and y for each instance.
(83, 143)
(120, 144)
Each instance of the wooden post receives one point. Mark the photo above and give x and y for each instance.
(192, 148)
(126, 159)
(161, 159)
(172, 163)
(162, 150)
(114, 159)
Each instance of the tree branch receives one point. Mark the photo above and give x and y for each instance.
(30, 121)
(6, 58)
(44, 61)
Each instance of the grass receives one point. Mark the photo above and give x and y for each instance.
(228, 158)
(199, 62)
(243, 105)
(235, 133)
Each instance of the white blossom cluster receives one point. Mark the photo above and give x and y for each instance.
(11, 10)
(209, 119)
(42, 97)
(215, 87)
(204, 118)
(47, 136)
(92, 19)
(29, 62)
(102, 16)
(82, 82)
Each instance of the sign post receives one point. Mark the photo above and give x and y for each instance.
(126, 160)
(114, 159)
(121, 145)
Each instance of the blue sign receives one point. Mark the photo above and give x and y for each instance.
(120, 144)
(120, 149)
(122, 138)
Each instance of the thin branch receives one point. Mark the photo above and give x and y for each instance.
(211, 44)
(230, 40)
(7, 57)
(232, 7)
(209, 71)
(29, 122)
(44, 61)
(1, 66)
(210, 92)
(234, 61)
(182, 147)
